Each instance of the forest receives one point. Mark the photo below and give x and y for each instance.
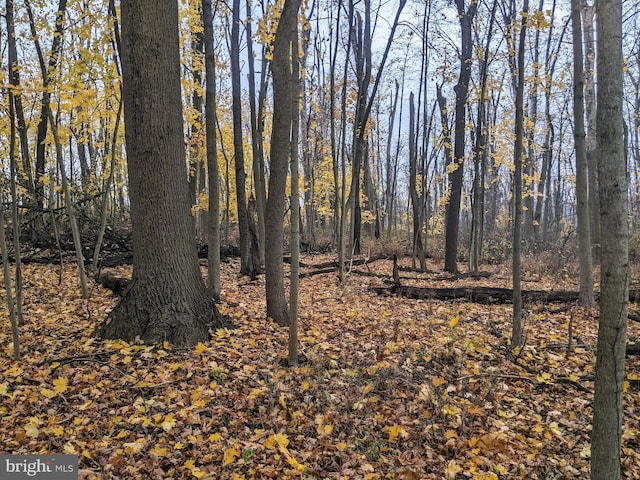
(335, 239)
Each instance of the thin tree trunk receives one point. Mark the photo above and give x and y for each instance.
(14, 79)
(283, 86)
(517, 330)
(70, 208)
(606, 435)
(479, 155)
(256, 135)
(295, 205)
(104, 211)
(213, 255)
(47, 69)
(588, 19)
(582, 193)
(456, 173)
(246, 266)
(14, 101)
(418, 249)
(389, 191)
(6, 269)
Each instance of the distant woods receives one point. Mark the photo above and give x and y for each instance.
(406, 127)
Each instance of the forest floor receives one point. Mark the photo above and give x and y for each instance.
(389, 387)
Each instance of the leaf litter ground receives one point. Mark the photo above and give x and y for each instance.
(387, 388)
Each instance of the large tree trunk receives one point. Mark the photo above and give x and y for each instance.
(283, 87)
(582, 193)
(167, 299)
(606, 435)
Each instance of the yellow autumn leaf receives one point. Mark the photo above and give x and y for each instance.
(394, 431)
(178, 446)
(451, 409)
(230, 455)
(342, 446)
(586, 451)
(215, 437)
(324, 429)
(160, 451)
(58, 431)
(134, 447)
(60, 384)
(3, 390)
(32, 427)
(279, 440)
(295, 464)
(69, 449)
(45, 392)
(454, 321)
(168, 423)
(453, 469)
(544, 377)
(475, 410)
(199, 348)
(256, 392)
(438, 381)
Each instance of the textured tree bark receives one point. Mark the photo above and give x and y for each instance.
(517, 329)
(582, 192)
(213, 252)
(456, 172)
(167, 299)
(257, 127)
(283, 87)
(45, 104)
(418, 249)
(479, 157)
(246, 265)
(606, 435)
(588, 20)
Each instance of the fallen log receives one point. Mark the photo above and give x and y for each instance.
(118, 285)
(486, 295)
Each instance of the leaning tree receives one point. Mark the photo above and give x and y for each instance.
(167, 299)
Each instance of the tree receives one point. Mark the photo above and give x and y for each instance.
(588, 19)
(516, 333)
(257, 130)
(246, 264)
(295, 198)
(283, 88)
(480, 156)
(213, 253)
(167, 299)
(416, 200)
(48, 68)
(456, 170)
(582, 192)
(606, 435)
